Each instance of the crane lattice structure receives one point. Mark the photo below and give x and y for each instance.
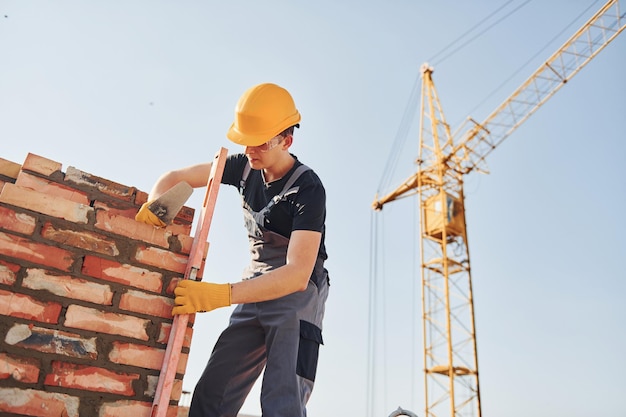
(449, 334)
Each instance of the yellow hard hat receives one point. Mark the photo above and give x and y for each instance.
(262, 112)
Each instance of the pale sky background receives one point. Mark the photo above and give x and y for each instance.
(126, 90)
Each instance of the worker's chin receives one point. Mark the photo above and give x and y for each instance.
(255, 163)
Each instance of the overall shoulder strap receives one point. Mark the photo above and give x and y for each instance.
(244, 176)
(296, 174)
(287, 189)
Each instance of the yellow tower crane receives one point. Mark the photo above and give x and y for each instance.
(449, 335)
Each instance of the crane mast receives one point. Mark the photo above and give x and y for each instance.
(450, 357)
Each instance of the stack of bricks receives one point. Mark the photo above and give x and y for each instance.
(86, 294)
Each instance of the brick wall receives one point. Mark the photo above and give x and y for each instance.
(85, 294)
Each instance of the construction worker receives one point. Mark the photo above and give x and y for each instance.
(277, 323)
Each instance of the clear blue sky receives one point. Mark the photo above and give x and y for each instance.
(127, 90)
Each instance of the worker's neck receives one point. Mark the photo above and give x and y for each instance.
(278, 169)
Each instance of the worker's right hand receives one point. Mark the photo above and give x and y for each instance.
(144, 215)
(196, 296)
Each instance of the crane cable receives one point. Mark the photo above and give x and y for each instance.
(401, 136)
(378, 337)
(478, 35)
(399, 143)
(525, 64)
(411, 107)
(373, 316)
(376, 260)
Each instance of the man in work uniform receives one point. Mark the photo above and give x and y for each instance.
(277, 322)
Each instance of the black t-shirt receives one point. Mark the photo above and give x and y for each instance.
(304, 210)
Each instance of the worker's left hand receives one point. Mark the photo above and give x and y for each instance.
(196, 296)
(144, 215)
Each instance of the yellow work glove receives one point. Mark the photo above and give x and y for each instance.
(196, 296)
(144, 215)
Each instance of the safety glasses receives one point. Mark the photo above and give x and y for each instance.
(269, 145)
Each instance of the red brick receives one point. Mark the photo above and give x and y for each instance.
(126, 409)
(186, 242)
(182, 232)
(141, 302)
(185, 215)
(137, 355)
(20, 369)
(44, 266)
(90, 378)
(90, 241)
(30, 402)
(141, 197)
(119, 191)
(51, 341)
(177, 388)
(20, 248)
(182, 363)
(8, 272)
(80, 317)
(45, 186)
(173, 283)
(20, 305)
(9, 169)
(16, 222)
(68, 286)
(177, 411)
(161, 259)
(122, 273)
(121, 223)
(45, 203)
(41, 165)
(138, 409)
(124, 226)
(164, 334)
(128, 212)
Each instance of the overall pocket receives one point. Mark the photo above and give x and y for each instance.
(308, 350)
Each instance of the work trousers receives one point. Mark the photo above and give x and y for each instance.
(280, 336)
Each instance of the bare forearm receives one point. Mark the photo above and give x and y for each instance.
(164, 183)
(292, 277)
(269, 286)
(195, 175)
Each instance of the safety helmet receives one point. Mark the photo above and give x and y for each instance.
(262, 112)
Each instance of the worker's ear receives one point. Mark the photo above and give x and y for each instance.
(287, 142)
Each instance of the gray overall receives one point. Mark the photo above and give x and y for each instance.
(281, 336)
